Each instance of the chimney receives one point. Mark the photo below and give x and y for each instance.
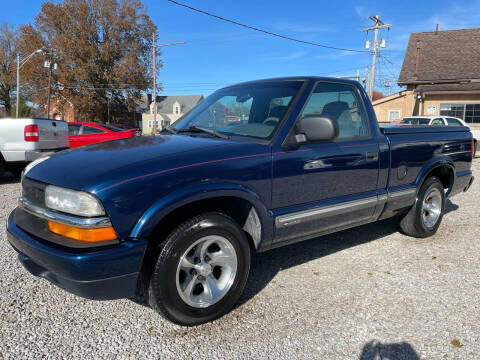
(149, 97)
(436, 29)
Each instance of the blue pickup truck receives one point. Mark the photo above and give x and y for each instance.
(175, 219)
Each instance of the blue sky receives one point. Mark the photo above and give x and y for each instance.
(219, 53)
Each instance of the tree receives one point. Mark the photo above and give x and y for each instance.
(103, 51)
(23, 109)
(377, 95)
(8, 47)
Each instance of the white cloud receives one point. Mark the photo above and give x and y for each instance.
(457, 16)
(301, 28)
(336, 55)
(361, 12)
(293, 56)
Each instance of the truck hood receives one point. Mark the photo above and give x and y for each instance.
(97, 166)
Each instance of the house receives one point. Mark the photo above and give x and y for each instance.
(441, 72)
(62, 110)
(169, 110)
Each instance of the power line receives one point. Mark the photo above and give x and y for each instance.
(266, 31)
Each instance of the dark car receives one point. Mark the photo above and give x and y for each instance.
(175, 219)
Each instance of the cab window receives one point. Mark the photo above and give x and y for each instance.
(343, 104)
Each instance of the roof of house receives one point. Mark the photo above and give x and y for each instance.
(470, 86)
(442, 55)
(165, 103)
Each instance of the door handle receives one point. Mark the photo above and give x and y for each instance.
(371, 156)
(315, 164)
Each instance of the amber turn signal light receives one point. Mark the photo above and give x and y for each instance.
(81, 234)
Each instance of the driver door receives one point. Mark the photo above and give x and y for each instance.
(319, 187)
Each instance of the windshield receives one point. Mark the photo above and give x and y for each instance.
(253, 110)
(415, 121)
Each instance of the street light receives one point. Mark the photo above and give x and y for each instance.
(20, 63)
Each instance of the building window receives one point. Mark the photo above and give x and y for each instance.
(150, 123)
(177, 110)
(393, 115)
(470, 113)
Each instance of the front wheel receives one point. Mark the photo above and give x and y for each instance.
(426, 214)
(201, 271)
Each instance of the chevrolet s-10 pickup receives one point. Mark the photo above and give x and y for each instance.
(174, 219)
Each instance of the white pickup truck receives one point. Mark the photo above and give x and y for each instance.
(27, 139)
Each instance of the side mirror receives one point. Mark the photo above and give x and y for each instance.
(317, 128)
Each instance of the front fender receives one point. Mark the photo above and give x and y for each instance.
(155, 213)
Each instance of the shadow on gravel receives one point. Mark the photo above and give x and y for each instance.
(449, 206)
(266, 265)
(398, 351)
(8, 179)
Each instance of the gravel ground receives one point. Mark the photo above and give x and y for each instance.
(365, 293)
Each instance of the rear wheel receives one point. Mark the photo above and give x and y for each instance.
(426, 214)
(201, 270)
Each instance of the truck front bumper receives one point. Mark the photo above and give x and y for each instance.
(103, 273)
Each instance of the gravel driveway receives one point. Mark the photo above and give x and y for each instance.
(359, 294)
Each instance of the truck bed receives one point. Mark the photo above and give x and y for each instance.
(414, 129)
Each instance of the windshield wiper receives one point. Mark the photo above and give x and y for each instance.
(194, 128)
(170, 130)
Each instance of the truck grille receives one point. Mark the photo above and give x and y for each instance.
(34, 191)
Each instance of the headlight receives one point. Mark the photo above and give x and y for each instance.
(72, 202)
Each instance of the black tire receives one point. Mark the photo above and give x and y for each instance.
(163, 296)
(413, 223)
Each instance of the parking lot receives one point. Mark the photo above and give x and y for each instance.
(359, 294)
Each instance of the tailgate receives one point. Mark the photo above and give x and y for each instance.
(53, 134)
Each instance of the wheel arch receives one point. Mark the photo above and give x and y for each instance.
(236, 201)
(443, 168)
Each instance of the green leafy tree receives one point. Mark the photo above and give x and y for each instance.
(23, 109)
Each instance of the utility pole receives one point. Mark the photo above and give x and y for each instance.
(379, 24)
(154, 87)
(18, 84)
(49, 89)
(388, 85)
(51, 66)
(155, 78)
(20, 63)
(367, 83)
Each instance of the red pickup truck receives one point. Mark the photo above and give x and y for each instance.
(85, 133)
